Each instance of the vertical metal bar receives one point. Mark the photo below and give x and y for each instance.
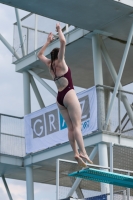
(57, 178)
(6, 186)
(27, 110)
(119, 110)
(20, 32)
(128, 190)
(27, 40)
(124, 195)
(0, 135)
(103, 160)
(37, 93)
(98, 78)
(119, 74)
(107, 101)
(97, 60)
(36, 25)
(119, 114)
(29, 183)
(67, 34)
(26, 88)
(66, 28)
(111, 170)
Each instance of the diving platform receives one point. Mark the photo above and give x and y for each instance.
(104, 177)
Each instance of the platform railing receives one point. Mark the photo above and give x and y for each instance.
(88, 187)
(119, 122)
(12, 139)
(35, 30)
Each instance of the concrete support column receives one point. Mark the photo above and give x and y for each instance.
(27, 110)
(98, 79)
(29, 183)
(103, 161)
(26, 88)
(107, 101)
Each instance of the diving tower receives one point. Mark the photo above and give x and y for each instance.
(98, 40)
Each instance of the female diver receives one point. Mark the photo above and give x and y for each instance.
(67, 100)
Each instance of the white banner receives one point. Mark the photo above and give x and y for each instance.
(46, 127)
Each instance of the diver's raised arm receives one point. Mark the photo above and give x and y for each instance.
(40, 54)
(62, 42)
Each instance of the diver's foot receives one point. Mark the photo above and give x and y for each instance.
(80, 161)
(86, 157)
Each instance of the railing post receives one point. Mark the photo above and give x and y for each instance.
(128, 190)
(119, 114)
(124, 195)
(0, 133)
(111, 169)
(27, 41)
(36, 25)
(57, 178)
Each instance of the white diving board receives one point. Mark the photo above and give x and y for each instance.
(105, 177)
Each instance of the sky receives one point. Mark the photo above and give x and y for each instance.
(11, 102)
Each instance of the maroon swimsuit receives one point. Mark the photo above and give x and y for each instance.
(62, 93)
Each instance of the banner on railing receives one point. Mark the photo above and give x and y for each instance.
(46, 127)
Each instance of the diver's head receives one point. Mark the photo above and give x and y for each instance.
(54, 54)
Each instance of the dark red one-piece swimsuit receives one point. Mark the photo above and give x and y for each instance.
(61, 94)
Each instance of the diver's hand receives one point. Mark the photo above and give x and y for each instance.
(50, 37)
(58, 27)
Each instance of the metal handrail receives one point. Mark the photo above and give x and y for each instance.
(6, 115)
(12, 135)
(97, 166)
(112, 88)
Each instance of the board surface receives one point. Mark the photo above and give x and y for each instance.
(105, 177)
